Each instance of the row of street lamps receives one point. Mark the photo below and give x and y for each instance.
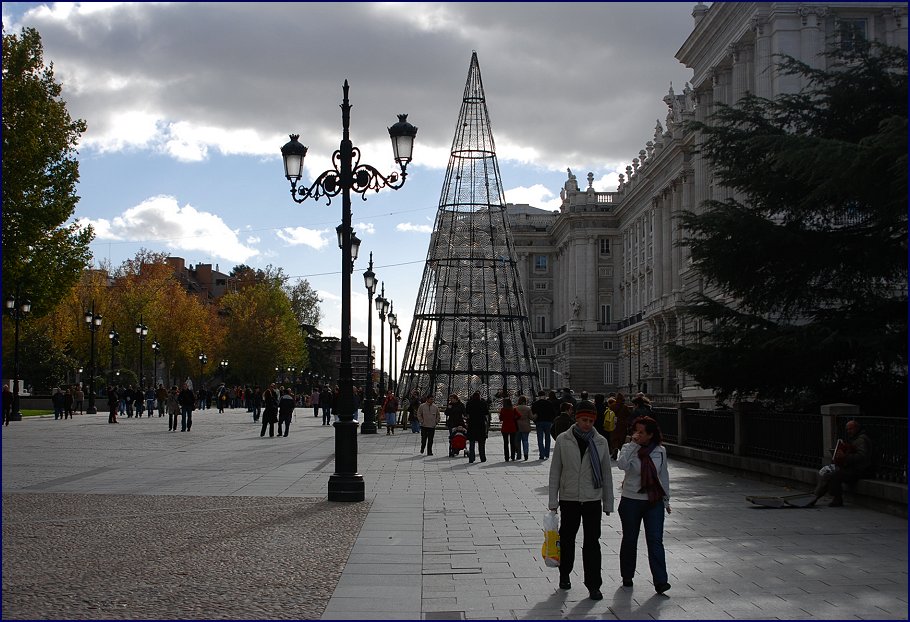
(384, 307)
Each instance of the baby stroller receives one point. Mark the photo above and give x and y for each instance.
(458, 440)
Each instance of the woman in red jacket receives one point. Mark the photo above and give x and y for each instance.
(509, 415)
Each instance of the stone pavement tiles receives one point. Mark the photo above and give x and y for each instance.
(437, 538)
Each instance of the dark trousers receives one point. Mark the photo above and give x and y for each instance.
(482, 443)
(286, 420)
(632, 512)
(510, 445)
(833, 482)
(326, 415)
(172, 421)
(426, 439)
(574, 514)
(267, 423)
(186, 419)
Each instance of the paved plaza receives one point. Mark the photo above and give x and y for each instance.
(131, 521)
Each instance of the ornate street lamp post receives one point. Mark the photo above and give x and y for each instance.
(114, 336)
(369, 411)
(397, 339)
(382, 306)
(93, 322)
(393, 325)
(223, 365)
(347, 174)
(203, 359)
(17, 309)
(141, 332)
(155, 348)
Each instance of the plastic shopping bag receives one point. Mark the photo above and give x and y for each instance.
(550, 548)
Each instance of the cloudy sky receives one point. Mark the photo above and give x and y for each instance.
(188, 104)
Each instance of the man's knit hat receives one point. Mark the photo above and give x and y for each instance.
(585, 407)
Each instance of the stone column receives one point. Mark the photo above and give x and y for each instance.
(591, 313)
(811, 40)
(660, 267)
(742, 70)
(676, 202)
(763, 67)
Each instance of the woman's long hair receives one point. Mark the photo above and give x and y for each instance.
(651, 428)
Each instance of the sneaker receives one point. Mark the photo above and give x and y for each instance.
(660, 588)
(596, 595)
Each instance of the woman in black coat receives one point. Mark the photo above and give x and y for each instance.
(478, 412)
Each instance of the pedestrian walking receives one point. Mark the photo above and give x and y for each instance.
(78, 399)
(543, 413)
(270, 410)
(314, 401)
(623, 422)
(326, 401)
(564, 420)
(7, 405)
(581, 487)
(524, 424)
(455, 419)
(508, 418)
(645, 498)
(57, 402)
(113, 403)
(68, 403)
(478, 413)
(187, 401)
(428, 416)
(390, 412)
(285, 411)
(173, 408)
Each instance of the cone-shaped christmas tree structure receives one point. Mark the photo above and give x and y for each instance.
(470, 330)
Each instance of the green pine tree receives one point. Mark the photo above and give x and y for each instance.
(806, 268)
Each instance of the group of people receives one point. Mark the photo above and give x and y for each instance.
(581, 489)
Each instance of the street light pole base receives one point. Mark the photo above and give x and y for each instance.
(368, 427)
(91, 411)
(346, 487)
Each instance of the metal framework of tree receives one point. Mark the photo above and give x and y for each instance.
(470, 330)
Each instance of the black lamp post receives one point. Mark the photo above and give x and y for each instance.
(17, 309)
(114, 336)
(382, 306)
(223, 365)
(347, 174)
(141, 332)
(93, 322)
(393, 325)
(647, 370)
(203, 359)
(395, 358)
(155, 348)
(369, 411)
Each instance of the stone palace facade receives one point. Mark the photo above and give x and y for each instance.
(603, 278)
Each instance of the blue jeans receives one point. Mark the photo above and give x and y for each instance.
(631, 513)
(523, 437)
(543, 438)
(326, 415)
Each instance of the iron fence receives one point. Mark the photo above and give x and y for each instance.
(668, 420)
(709, 429)
(791, 438)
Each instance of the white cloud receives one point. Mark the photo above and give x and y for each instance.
(161, 219)
(164, 76)
(409, 227)
(364, 228)
(537, 196)
(296, 236)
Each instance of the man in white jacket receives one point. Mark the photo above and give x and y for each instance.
(581, 487)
